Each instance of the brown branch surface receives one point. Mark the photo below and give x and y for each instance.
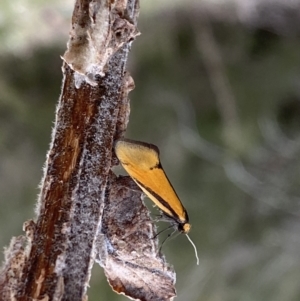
(126, 248)
(54, 260)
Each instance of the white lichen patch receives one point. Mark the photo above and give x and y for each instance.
(96, 37)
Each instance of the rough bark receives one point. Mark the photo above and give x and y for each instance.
(54, 260)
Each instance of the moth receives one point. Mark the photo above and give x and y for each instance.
(141, 161)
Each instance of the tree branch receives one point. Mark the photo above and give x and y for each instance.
(92, 111)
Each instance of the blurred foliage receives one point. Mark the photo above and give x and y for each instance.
(243, 199)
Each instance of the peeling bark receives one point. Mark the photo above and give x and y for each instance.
(126, 248)
(54, 260)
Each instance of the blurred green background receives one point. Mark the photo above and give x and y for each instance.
(218, 90)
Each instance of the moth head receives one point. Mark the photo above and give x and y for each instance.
(184, 228)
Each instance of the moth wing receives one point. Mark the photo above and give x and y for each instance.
(141, 161)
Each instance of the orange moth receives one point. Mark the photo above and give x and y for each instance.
(142, 163)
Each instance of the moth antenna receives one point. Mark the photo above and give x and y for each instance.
(196, 253)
